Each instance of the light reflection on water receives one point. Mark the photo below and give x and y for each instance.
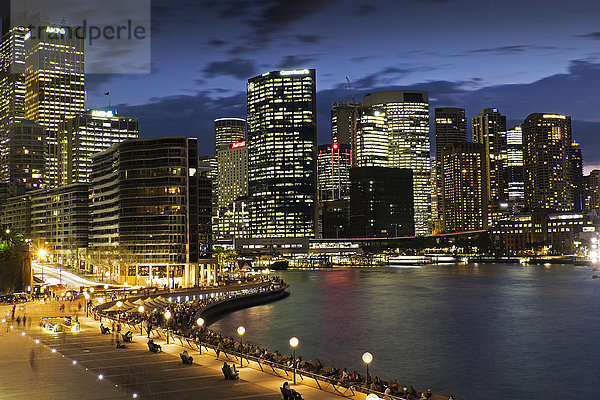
(478, 331)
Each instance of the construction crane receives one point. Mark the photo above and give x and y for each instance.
(349, 89)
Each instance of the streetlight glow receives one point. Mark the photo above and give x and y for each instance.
(294, 342)
(167, 316)
(241, 330)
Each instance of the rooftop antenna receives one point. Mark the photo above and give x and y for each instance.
(349, 89)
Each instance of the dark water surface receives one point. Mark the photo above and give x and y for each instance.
(485, 331)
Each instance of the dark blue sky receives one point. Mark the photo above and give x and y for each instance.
(519, 56)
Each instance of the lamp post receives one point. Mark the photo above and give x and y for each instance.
(100, 301)
(87, 302)
(200, 323)
(367, 358)
(167, 316)
(294, 342)
(241, 330)
(141, 310)
(119, 305)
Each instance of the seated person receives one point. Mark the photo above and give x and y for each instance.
(128, 336)
(291, 394)
(104, 330)
(186, 358)
(120, 345)
(227, 372)
(234, 372)
(153, 347)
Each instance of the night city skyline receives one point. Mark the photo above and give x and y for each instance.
(534, 57)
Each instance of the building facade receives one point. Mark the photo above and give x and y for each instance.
(88, 133)
(371, 144)
(489, 129)
(592, 191)
(381, 202)
(54, 82)
(547, 161)
(344, 116)
(144, 211)
(24, 158)
(232, 211)
(513, 167)
(282, 154)
(407, 114)
(227, 131)
(333, 182)
(464, 206)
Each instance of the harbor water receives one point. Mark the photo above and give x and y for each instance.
(481, 331)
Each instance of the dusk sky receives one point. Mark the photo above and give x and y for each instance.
(519, 56)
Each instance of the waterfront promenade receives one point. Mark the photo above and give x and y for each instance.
(126, 373)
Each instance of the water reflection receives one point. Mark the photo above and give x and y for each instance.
(472, 331)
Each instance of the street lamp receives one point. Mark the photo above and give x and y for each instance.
(367, 358)
(87, 302)
(241, 330)
(141, 310)
(119, 305)
(294, 342)
(200, 322)
(372, 396)
(167, 316)
(100, 301)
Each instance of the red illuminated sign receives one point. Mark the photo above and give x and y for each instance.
(335, 146)
(237, 145)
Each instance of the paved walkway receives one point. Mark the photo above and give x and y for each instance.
(125, 372)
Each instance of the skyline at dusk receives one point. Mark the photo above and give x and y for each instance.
(532, 57)
(519, 57)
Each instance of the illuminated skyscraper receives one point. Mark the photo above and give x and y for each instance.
(54, 81)
(344, 116)
(464, 202)
(24, 157)
(371, 144)
(514, 165)
(592, 191)
(86, 134)
(450, 127)
(407, 114)
(227, 131)
(333, 181)
(282, 154)
(12, 87)
(548, 162)
(489, 129)
(231, 219)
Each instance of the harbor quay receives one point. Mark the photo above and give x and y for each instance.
(133, 371)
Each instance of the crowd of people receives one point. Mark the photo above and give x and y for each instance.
(183, 323)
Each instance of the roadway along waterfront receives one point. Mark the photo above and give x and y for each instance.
(477, 331)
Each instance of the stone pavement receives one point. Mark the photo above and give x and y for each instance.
(73, 370)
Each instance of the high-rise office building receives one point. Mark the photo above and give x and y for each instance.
(145, 207)
(12, 86)
(227, 131)
(464, 202)
(232, 213)
(489, 129)
(371, 143)
(547, 162)
(513, 166)
(407, 114)
(381, 202)
(577, 168)
(450, 127)
(24, 160)
(333, 172)
(282, 154)
(592, 191)
(344, 116)
(54, 81)
(88, 133)
(333, 183)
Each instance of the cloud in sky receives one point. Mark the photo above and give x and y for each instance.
(573, 93)
(236, 67)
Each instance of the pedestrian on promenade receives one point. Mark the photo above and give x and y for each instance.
(149, 327)
(219, 348)
(32, 360)
(13, 312)
(24, 320)
(18, 321)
